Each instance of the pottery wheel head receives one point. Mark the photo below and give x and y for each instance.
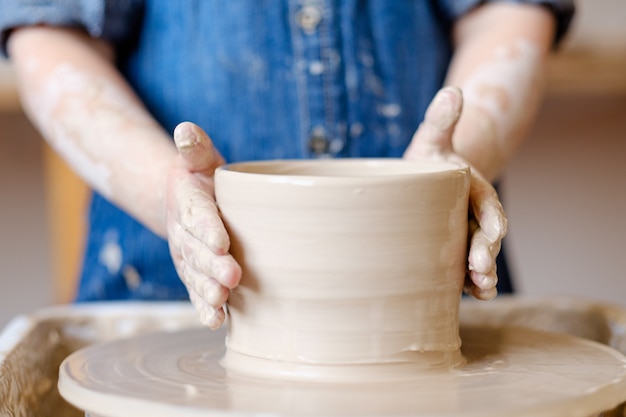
(509, 372)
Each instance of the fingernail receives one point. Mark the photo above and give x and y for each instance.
(185, 137)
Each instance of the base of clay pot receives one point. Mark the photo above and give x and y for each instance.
(405, 368)
(509, 371)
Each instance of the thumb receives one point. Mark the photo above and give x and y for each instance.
(434, 135)
(196, 149)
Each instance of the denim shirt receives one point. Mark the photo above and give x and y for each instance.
(266, 79)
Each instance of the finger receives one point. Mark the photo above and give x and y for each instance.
(222, 268)
(487, 228)
(434, 135)
(479, 293)
(196, 149)
(187, 251)
(206, 294)
(211, 291)
(199, 216)
(483, 281)
(481, 277)
(482, 254)
(209, 316)
(487, 209)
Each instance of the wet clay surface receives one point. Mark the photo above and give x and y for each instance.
(509, 371)
(355, 261)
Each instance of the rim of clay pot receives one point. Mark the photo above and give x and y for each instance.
(337, 170)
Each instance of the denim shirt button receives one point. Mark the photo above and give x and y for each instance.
(318, 142)
(309, 18)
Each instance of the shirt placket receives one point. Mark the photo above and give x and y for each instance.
(318, 69)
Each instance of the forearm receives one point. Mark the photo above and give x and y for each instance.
(498, 63)
(91, 117)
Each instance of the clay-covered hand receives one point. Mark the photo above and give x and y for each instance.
(197, 237)
(487, 224)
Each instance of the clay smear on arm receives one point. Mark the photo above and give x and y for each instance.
(91, 117)
(500, 51)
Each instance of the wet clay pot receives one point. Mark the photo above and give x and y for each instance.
(351, 268)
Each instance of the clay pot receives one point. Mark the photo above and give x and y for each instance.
(350, 267)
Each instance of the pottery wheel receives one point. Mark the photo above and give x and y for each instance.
(509, 372)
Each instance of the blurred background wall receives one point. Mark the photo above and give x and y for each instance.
(565, 191)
